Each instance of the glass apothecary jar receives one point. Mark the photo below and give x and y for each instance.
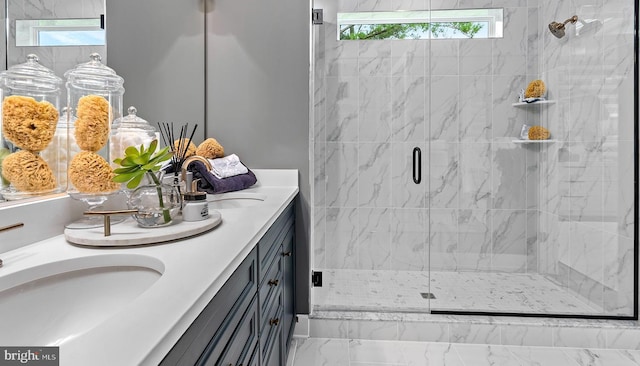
(94, 97)
(127, 131)
(29, 113)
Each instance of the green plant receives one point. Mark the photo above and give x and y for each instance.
(139, 161)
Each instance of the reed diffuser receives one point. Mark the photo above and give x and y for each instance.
(180, 147)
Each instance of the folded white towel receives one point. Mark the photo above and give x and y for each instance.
(226, 167)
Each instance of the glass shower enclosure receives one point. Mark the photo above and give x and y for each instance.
(427, 197)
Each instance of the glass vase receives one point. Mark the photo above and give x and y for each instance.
(157, 204)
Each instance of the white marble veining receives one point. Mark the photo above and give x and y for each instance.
(562, 211)
(350, 352)
(400, 291)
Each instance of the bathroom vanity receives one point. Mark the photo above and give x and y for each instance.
(250, 320)
(223, 297)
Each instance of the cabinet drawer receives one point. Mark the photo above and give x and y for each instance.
(272, 285)
(212, 325)
(269, 245)
(271, 340)
(223, 341)
(271, 324)
(288, 289)
(243, 341)
(275, 357)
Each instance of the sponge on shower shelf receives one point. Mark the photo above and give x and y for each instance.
(535, 89)
(538, 133)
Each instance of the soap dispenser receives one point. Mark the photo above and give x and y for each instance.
(196, 207)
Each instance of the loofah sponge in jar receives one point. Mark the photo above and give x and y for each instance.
(28, 172)
(539, 133)
(30, 125)
(91, 173)
(92, 125)
(210, 149)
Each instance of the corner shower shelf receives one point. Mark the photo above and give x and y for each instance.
(519, 104)
(519, 141)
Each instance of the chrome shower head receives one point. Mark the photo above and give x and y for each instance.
(557, 29)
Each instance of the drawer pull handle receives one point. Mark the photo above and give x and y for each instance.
(273, 282)
(287, 254)
(274, 321)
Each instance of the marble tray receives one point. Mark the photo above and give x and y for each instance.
(128, 233)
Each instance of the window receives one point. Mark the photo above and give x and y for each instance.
(59, 32)
(435, 24)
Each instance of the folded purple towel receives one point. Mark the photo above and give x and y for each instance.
(211, 184)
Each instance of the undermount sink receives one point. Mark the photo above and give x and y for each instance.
(235, 200)
(57, 301)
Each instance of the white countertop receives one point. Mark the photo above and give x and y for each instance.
(193, 271)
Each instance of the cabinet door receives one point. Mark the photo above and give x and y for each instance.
(271, 328)
(276, 358)
(243, 341)
(213, 327)
(288, 256)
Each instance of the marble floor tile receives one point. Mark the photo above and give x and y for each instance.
(633, 355)
(400, 291)
(373, 352)
(540, 356)
(322, 351)
(486, 355)
(598, 357)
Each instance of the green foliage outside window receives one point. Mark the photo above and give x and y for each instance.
(408, 30)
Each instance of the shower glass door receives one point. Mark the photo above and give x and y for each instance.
(494, 223)
(535, 227)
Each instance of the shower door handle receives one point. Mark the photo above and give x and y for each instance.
(417, 165)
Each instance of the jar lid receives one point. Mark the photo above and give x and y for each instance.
(195, 196)
(94, 75)
(132, 121)
(30, 76)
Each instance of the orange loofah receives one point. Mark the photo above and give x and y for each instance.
(92, 125)
(538, 133)
(91, 173)
(180, 145)
(535, 89)
(28, 124)
(210, 149)
(28, 172)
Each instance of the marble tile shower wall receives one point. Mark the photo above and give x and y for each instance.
(59, 59)
(587, 191)
(374, 101)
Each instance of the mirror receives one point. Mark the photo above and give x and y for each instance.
(57, 58)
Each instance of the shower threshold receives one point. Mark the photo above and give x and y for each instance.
(389, 305)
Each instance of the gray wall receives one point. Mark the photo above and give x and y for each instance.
(159, 51)
(257, 81)
(258, 95)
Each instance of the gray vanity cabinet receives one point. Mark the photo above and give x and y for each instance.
(272, 286)
(250, 320)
